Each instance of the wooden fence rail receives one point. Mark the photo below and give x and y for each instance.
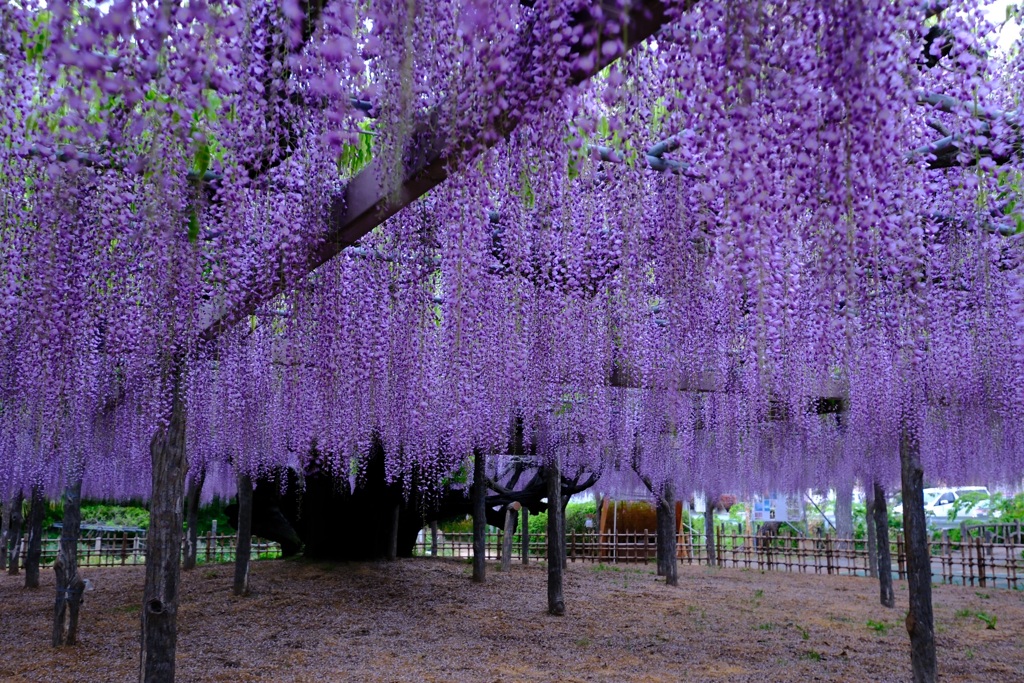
(972, 561)
(116, 550)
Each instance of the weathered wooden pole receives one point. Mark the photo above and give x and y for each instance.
(36, 512)
(243, 546)
(709, 528)
(479, 517)
(525, 535)
(880, 513)
(70, 585)
(844, 514)
(5, 531)
(433, 538)
(556, 539)
(163, 543)
(17, 519)
(391, 547)
(920, 619)
(869, 525)
(666, 537)
(511, 515)
(195, 488)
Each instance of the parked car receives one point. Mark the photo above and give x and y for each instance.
(939, 501)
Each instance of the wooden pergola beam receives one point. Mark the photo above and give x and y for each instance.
(371, 197)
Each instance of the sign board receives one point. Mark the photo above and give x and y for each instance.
(771, 508)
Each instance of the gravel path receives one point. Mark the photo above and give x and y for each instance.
(424, 620)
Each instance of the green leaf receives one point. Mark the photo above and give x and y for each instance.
(193, 227)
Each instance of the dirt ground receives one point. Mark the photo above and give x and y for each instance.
(424, 620)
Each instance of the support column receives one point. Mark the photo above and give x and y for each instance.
(391, 550)
(195, 488)
(881, 516)
(17, 519)
(163, 544)
(525, 535)
(34, 553)
(479, 517)
(666, 537)
(69, 584)
(844, 514)
(920, 619)
(556, 540)
(243, 546)
(709, 528)
(433, 538)
(869, 525)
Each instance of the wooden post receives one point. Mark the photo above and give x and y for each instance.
(880, 514)
(556, 540)
(666, 537)
(5, 527)
(869, 524)
(433, 538)
(709, 529)
(209, 544)
(391, 549)
(243, 545)
(525, 534)
(981, 562)
(163, 543)
(511, 513)
(479, 516)
(920, 620)
(36, 512)
(17, 518)
(69, 584)
(195, 488)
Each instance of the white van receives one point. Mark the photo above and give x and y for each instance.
(938, 502)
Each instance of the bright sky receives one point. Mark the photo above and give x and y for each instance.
(997, 14)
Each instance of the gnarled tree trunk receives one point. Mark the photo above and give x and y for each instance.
(511, 516)
(881, 516)
(479, 517)
(525, 535)
(5, 529)
(920, 620)
(556, 541)
(243, 546)
(17, 518)
(69, 584)
(195, 488)
(666, 537)
(844, 514)
(36, 512)
(163, 545)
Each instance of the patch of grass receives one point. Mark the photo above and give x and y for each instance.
(129, 609)
(210, 574)
(989, 619)
(758, 594)
(879, 627)
(969, 654)
(803, 633)
(812, 655)
(983, 596)
(583, 642)
(767, 626)
(964, 613)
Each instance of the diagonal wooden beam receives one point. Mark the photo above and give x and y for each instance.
(371, 197)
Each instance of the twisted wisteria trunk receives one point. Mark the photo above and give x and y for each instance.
(70, 585)
(479, 517)
(869, 526)
(666, 537)
(920, 619)
(881, 518)
(243, 546)
(195, 487)
(163, 545)
(34, 552)
(556, 540)
(511, 516)
(391, 542)
(17, 518)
